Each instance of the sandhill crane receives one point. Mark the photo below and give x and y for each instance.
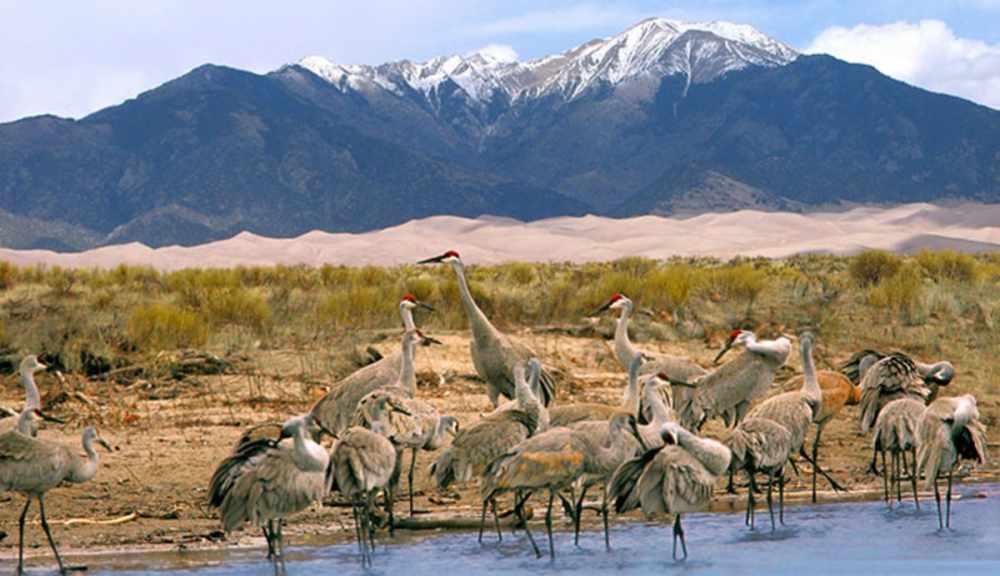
(32, 467)
(610, 443)
(732, 387)
(412, 424)
(838, 391)
(949, 430)
(475, 446)
(675, 478)
(675, 368)
(566, 414)
(493, 353)
(555, 459)
(32, 399)
(894, 376)
(759, 445)
(265, 480)
(896, 433)
(796, 411)
(935, 374)
(334, 412)
(362, 463)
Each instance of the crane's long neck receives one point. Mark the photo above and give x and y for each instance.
(83, 469)
(440, 430)
(407, 372)
(810, 383)
(661, 414)
(407, 315)
(32, 399)
(623, 346)
(713, 455)
(25, 421)
(308, 455)
(630, 403)
(478, 322)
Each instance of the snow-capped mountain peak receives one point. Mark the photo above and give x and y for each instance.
(656, 47)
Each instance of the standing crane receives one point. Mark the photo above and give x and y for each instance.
(32, 399)
(759, 445)
(676, 477)
(412, 424)
(796, 411)
(896, 433)
(334, 412)
(934, 374)
(838, 391)
(494, 354)
(949, 431)
(567, 414)
(362, 463)
(475, 446)
(32, 467)
(265, 480)
(731, 388)
(555, 459)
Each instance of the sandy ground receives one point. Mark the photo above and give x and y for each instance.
(169, 438)
(487, 240)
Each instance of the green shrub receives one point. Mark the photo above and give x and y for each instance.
(948, 265)
(155, 327)
(738, 282)
(902, 292)
(872, 266)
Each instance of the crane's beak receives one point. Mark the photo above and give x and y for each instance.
(433, 260)
(105, 444)
(49, 417)
(729, 344)
(427, 340)
(603, 308)
(424, 305)
(668, 437)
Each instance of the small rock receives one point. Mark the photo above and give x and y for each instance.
(982, 495)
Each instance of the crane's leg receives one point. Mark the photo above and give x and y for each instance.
(833, 483)
(389, 495)
(20, 536)
(770, 502)
(730, 486)
(781, 498)
(679, 535)
(62, 569)
(947, 521)
(357, 530)
(748, 520)
(913, 478)
(577, 515)
(519, 510)
(885, 481)
(267, 536)
(815, 451)
(873, 466)
(604, 517)
(548, 523)
(482, 519)
(496, 519)
(898, 472)
(937, 498)
(281, 538)
(369, 515)
(413, 463)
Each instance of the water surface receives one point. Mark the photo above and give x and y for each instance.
(851, 538)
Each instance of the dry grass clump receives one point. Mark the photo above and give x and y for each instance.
(901, 293)
(947, 265)
(872, 266)
(161, 326)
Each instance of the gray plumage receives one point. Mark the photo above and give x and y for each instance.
(412, 424)
(894, 376)
(474, 447)
(567, 414)
(935, 374)
(362, 463)
(949, 431)
(555, 459)
(334, 412)
(732, 387)
(896, 434)
(494, 354)
(675, 478)
(32, 399)
(759, 445)
(32, 467)
(266, 480)
(672, 368)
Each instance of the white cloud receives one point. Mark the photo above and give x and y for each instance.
(927, 54)
(499, 52)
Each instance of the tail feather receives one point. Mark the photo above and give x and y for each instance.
(548, 386)
(623, 485)
(443, 469)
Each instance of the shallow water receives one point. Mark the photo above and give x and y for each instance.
(852, 538)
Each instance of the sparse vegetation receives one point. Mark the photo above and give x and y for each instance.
(872, 266)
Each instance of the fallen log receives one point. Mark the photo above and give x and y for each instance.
(457, 522)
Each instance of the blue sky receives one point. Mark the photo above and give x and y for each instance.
(71, 58)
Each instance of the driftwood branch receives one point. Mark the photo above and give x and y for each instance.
(456, 522)
(7, 412)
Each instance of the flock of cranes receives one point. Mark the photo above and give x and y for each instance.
(647, 452)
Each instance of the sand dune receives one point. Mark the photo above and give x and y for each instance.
(908, 228)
